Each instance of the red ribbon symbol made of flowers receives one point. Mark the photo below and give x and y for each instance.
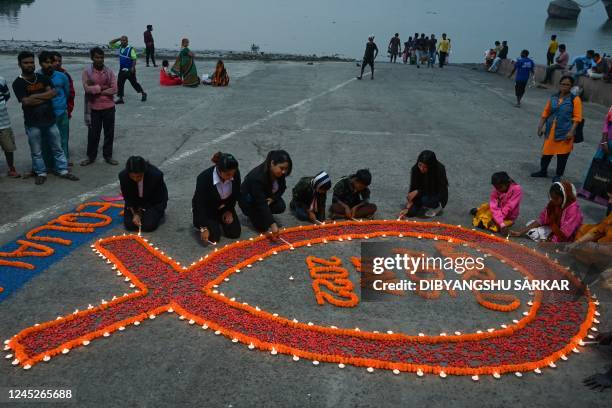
(552, 328)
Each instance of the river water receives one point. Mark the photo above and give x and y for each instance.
(321, 27)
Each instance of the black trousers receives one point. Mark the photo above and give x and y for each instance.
(101, 119)
(367, 62)
(442, 59)
(519, 88)
(561, 163)
(550, 58)
(277, 207)
(127, 76)
(216, 225)
(149, 219)
(150, 53)
(421, 202)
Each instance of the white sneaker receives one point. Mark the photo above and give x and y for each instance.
(432, 212)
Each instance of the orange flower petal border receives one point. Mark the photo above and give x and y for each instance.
(210, 308)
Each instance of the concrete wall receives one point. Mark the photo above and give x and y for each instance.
(596, 91)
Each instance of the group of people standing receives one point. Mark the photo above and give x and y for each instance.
(418, 50)
(47, 97)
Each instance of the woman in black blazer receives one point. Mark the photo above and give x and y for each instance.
(262, 191)
(145, 195)
(214, 201)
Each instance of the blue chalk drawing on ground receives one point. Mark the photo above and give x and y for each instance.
(12, 279)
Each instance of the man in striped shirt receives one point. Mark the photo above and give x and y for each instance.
(7, 138)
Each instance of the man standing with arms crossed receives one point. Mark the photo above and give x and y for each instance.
(35, 92)
(127, 67)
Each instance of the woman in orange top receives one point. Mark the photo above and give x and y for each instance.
(561, 117)
(220, 77)
(602, 232)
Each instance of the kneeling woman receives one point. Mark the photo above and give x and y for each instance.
(309, 196)
(428, 187)
(145, 195)
(262, 191)
(561, 218)
(214, 201)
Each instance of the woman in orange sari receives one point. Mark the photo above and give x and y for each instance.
(561, 117)
(220, 77)
(184, 67)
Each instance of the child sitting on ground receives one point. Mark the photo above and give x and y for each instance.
(309, 196)
(503, 207)
(351, 195)
(561, 218)
(167, 77)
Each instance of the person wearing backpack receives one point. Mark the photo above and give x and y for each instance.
(560, 121)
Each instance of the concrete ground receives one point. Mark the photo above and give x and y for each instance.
(326, 120)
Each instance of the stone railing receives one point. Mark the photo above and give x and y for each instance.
(594, 90)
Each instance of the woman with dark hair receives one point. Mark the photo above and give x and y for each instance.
(184, 67)
(145, 195)
(428, 187)
(309, 196)
(220, 76)
(215, 197)
(262, 191)
(560, 220)
(351, 196)
(560, 119)
(503, 207)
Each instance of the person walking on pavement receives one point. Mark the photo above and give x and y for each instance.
(443, 50)
(149, 45)
(127, 67)
(394, 47)
(371, 52)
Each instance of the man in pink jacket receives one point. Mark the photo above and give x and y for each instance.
(100, 86)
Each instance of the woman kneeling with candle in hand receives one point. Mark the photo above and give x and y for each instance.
(351, 195)
(309, 196)
(145, 195)
(428, 187)
(262, 190)
(503, 207)
(561, 218)
(214, 200)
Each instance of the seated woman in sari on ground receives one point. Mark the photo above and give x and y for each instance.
(219, 77)
(184, 67)
(167, 77)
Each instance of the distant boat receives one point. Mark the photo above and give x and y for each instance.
(608, 5)
(565, 9)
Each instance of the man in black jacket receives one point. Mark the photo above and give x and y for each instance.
(145, 194)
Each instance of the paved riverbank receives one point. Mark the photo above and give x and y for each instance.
(327, 120)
